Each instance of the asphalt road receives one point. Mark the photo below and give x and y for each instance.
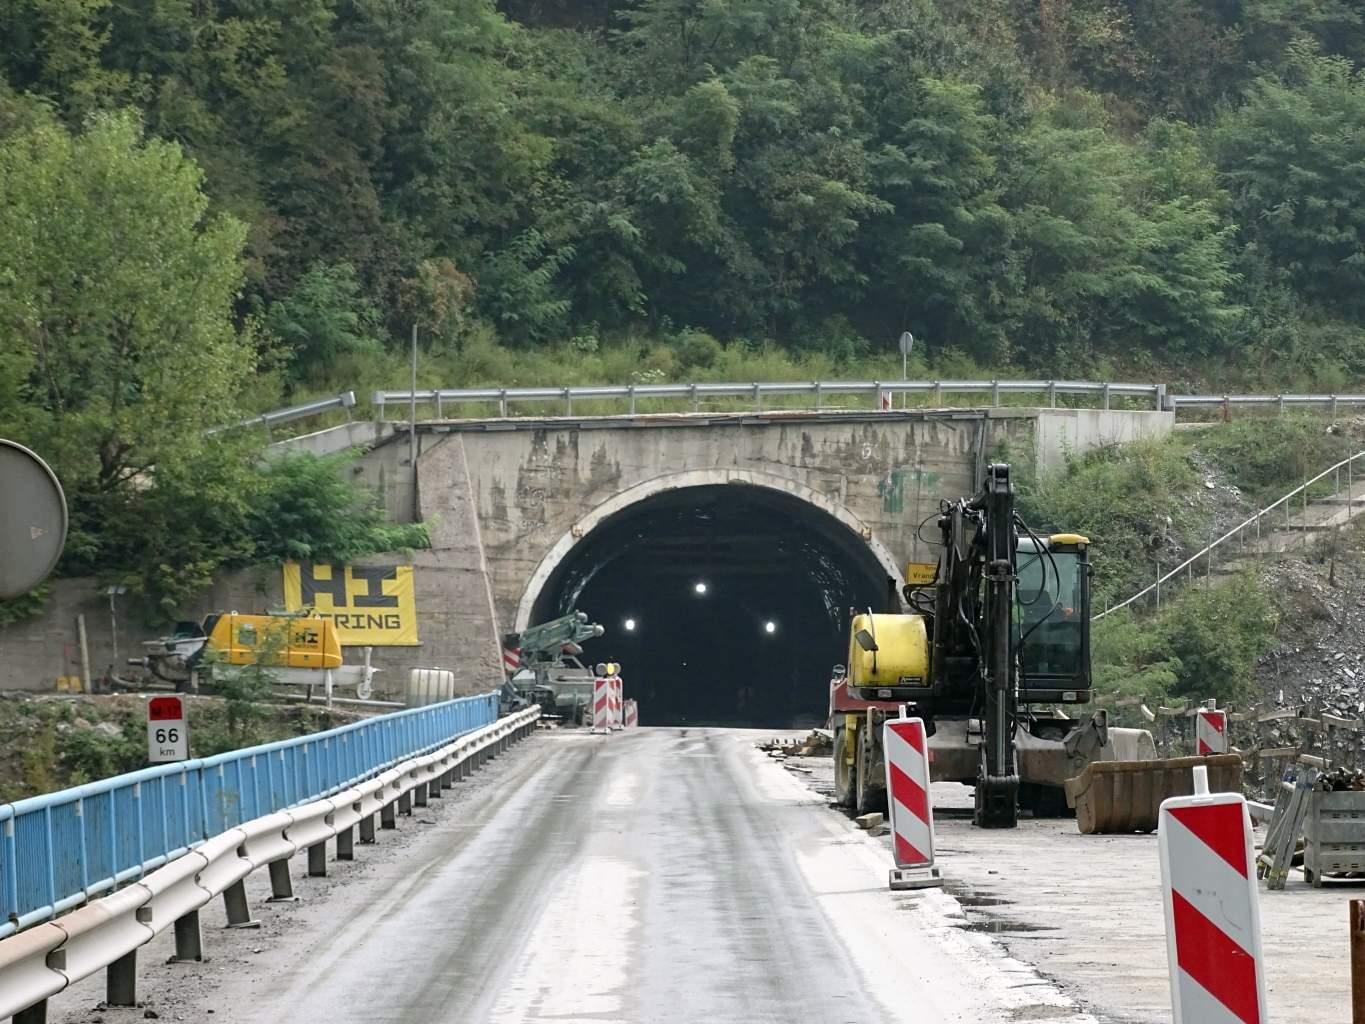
(656, 875)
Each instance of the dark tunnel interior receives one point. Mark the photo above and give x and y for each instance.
(725, 604)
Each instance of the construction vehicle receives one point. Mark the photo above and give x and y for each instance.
(547, 670)
(298, 648)
(996, 643)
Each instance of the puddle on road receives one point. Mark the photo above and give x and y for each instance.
(1003, 926)
(983, 901)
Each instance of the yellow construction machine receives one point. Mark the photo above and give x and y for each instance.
(995, 646)
(299, 648)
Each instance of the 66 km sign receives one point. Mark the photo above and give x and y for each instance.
(168, 734)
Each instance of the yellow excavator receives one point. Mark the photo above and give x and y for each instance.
(995, 647)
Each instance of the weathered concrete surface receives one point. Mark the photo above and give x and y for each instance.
(1086, 911)
(539, 485)
(1061, 431)
(655, 876)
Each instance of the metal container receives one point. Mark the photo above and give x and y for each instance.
(1126, 796)
(1334, 835)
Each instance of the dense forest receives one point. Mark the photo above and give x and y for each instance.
(207, 205)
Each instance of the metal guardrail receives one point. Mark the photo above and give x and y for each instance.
(877, 391)
(880, 393)
(45, 960)
(61, 849)
(345, 400)
(1241, 531)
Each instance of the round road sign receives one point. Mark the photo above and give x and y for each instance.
(32, 520)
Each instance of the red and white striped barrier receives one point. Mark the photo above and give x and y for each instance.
(511, 658)
(601, 704)
(617, 711)
(632, 714)
(912, 817)
(1211, 732)
(1213, 919)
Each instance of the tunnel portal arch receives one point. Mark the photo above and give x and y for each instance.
(725, 591)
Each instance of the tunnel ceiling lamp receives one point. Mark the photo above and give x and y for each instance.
(630, 625)
(770, 626)
(699, 587)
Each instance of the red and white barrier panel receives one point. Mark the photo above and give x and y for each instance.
(617, 711)
(912, 818)
(601, 704)
(511, 658)
(632, 714)
(1211, 732)
(1213, 919)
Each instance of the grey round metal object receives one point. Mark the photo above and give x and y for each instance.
(32, 520)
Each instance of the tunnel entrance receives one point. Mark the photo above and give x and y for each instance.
(725, 604)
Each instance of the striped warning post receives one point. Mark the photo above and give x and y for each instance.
(632, 714)
(1213, 919)
(511, 658)
(1211, 732)
(601, 705)
(912, 818)
(616, 709)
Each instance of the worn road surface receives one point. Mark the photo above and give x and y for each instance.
(656, 875)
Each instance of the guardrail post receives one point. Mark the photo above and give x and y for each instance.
(35, 1014)
(819, 397)
(388, 815)
(630, 390)
(405, 802)
(419, 795)
(120, 983)
(568, 402)
(502, 403)
(758, 398)
(1160, 396)
(346, 844)
(439, 414)
(1052, 394)
(1104, 397)
(281, 885)
(938, 394)
(696, 402)
(1334, 407)
(995, 394)
(367, 829)
(1280, 403)
(189, 940)
(236, 906)
(435, 785)
(317, 860)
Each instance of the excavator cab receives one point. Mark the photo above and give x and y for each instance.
(1052, 619)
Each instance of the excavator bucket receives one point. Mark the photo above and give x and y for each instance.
(1126, 796)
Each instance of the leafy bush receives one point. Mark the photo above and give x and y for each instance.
(1271, 456)
(1121, 498)
(1203, 644)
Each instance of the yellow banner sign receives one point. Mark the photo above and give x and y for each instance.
(921, 574)
(372, 606)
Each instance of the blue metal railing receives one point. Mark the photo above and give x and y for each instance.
(60, 849)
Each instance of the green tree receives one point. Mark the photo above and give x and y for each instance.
(116, 291)
(1292, 158)
(326, 315)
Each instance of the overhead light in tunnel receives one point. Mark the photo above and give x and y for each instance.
(630, 625)
(770, 626)
(700, 587)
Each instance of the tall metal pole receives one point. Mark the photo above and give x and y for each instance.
(412, 412)
(1357, 912)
